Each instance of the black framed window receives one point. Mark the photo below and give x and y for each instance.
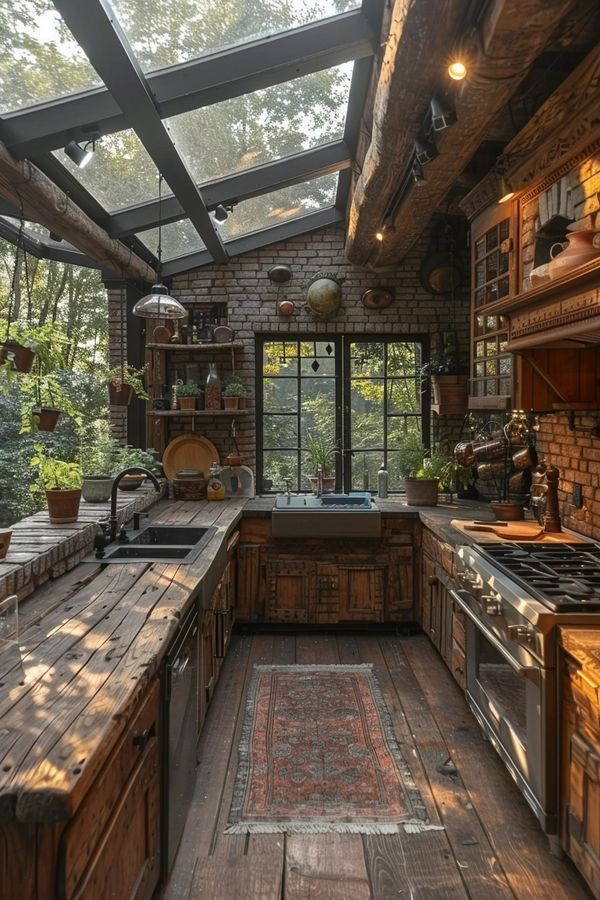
(361, 394)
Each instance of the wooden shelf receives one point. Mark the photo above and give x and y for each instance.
(207, 413)
(198, 348)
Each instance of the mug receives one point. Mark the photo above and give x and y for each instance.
(489, 449)
(490, 470)
(463, 453)
(525, 458)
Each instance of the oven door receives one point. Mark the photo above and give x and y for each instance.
(514, 702)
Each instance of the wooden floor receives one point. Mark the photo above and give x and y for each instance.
(491, 845)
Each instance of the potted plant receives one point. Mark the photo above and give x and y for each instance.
(448, 374)
(123, 382)
(233, 393)
(19, 348)
(187, 395)
(97, 460)
(126, 457)
(61, 482)
(5, 536)
(424, 472)
(321, 453)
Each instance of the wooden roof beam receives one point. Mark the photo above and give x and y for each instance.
(22, 184)
(513, 34)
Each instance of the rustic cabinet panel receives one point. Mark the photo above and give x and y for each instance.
(439, 617)
(290, 590)
(350, 592)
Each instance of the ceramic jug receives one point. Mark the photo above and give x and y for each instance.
(579, 249)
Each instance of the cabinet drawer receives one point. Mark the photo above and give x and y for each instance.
(81, 835)
(458, 665)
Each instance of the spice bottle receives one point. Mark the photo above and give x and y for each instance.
(382, 481)
(212, 395)
(215, 489)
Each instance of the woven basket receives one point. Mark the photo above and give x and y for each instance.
(189, 488)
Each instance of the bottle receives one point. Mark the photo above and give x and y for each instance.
(212, 394)
(382, 482)
(215, 489)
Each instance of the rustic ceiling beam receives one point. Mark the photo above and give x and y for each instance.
(512, 34)
(198, 83)
(108, 50)
(24, 186)
(237, 187)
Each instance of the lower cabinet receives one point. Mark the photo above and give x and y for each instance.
(580, 767)
(439, 616)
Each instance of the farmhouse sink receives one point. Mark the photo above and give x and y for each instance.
(329, 516)
(157, 543)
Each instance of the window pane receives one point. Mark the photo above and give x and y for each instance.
(279, 465)
(280, 431)
(40, 60)
(366, 403)
(366, 359)
(280, 395)
(318, 408)
(280, 358)
(316, 360)
(268, 124)
(364, 470)
(403, 358)
(399, 428)
(180, 30)
(178, 239)
(404, 395)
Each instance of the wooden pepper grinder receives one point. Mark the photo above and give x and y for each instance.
(552, 516)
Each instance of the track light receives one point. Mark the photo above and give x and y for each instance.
(80, 155)
(505, 192)
(443, 114)
(425, 149)
(220, 213)
(54, 236)
(417, 174)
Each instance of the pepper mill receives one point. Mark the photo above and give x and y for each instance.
(552, 516)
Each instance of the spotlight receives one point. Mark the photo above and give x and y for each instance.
(220, 213)
(443, 114)
(425, 150)
(57, 238)
(457, 70)
(379, 236)
(505, 192)
(417, 174)
(80, 155)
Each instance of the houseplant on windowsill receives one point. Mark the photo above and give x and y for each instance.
(61, 482)
(321, 452)
(187, 395)
(233, 393)
(424, 472)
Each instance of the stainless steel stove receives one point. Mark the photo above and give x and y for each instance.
(514, 595)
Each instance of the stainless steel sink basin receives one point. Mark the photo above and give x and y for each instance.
(328, 516)
(179, 543)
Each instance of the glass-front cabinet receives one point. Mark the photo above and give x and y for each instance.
(493, 277)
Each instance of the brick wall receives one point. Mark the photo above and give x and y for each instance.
(252, 309)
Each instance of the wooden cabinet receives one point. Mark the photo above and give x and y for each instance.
(580, 751)
(325, 582)
(439, 617)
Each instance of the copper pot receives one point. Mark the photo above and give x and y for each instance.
(463, 453)
(490, 470)
(489, 449)
(525, 458)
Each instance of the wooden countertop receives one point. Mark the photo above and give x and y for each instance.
(583, 644)
(91, 641)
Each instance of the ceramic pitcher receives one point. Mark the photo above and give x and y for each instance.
(578, 249)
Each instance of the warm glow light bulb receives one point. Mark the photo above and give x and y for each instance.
(457, 70)
(379, 235)
(508, 196)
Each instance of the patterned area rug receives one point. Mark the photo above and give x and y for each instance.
(318, 754)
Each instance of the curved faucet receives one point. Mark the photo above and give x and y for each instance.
(132, 470)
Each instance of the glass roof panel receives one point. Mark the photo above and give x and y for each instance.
(255, 128)
(178, 239)
(121, 172)
(30, 229)
(280, 206)
(176, 31)
(40, 59)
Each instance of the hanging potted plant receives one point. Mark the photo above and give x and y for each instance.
(321, 452)
(448, 375)
(18, 351)
(424, 472)
(61, 482)
(234, 393)
(187, 395)
(123, 382)
(44, 386)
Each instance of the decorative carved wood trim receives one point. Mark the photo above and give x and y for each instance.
(559, 172)
(483, 195)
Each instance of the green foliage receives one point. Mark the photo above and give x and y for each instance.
(414, 460)
(188, 390)
(128, 456)
(321, 452)
(445, 359)
(127, 375)
(55, 474)
(233, 386)
(98, 449)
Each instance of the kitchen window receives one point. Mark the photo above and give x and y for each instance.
(362, 394)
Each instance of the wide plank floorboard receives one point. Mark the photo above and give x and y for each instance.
(491, 845)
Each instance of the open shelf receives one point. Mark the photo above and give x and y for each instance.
(199, 348)
(208, 413)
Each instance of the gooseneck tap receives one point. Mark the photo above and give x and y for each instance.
(132, 470)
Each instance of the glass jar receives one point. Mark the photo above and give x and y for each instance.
(212, 395)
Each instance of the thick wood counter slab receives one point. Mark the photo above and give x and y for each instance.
(91, 643)
(583, 644)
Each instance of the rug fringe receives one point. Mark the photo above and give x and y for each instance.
(413, 826)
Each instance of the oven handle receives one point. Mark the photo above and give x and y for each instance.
(530, 672)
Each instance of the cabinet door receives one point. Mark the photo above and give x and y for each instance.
(583, 808)
(400, 594)
(290, 590)
(249, 600)
(207, 667)
(350, 592)
(431, 602)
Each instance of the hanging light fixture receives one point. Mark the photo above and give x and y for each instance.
(159, 304)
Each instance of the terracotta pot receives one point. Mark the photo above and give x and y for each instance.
(22, 357)
(96, 488)
(450, 394)
(187, 402)
(131, 482)
(421, 491)
(47, 417)
(233, 459)
(507, 512)
(119, 394)
(232, 402)
(5, 536)
(328, 483)
(579, 250)
(63, 506)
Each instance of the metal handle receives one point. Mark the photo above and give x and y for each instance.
(530, 672)
(432, 580)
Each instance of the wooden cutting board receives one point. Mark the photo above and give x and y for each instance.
(511, 531)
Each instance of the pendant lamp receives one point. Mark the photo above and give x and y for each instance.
(158, 304)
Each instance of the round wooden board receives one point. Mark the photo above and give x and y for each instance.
(189, 451)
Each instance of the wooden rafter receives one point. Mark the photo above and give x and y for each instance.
(42, 201)
(513, 34)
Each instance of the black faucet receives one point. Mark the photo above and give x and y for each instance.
(132, 470)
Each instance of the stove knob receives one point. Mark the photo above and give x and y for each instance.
(521, 633)
(492, 604)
